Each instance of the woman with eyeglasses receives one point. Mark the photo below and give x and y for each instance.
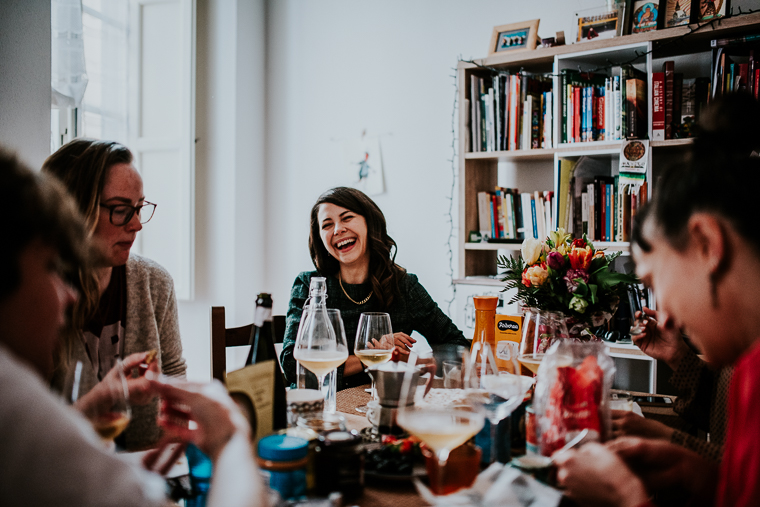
(127, 304)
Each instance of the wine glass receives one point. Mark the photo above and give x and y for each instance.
(106, 405)
(441, 427)
(321, 342)
(374, 344)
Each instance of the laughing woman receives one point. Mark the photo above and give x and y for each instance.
(350, 246)
(128, 304)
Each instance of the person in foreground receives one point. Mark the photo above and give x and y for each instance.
(698, 247)
(127, 305)
(350, 246)
(49, 454)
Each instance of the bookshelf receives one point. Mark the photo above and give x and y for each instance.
(538, 169)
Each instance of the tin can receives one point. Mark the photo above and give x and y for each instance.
(531, 435)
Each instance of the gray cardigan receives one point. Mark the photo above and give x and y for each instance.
(152, 323)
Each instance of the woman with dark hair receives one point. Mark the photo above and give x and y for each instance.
(350, 246)
(128, 304)
(699, 249)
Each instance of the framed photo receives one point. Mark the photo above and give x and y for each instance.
(677, 13)
(710, 9)
(602, 26)
(645, 16)
(514, 37)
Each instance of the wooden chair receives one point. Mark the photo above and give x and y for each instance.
(223, 337)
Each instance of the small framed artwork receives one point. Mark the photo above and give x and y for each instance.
(602, 26)
(710, 9)
(677, 13)
(645, 16)
(514, 37)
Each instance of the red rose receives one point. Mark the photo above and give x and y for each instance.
(580, 243)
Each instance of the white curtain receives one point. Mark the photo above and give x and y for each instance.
(69, 75)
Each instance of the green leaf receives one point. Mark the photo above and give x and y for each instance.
(593, 289)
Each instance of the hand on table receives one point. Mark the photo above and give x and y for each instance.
(660, 339)
(627, 423)
(594, 475)
(216, 416)
(660, 464)
(99, 399)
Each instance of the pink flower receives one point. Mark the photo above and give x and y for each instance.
(573, 277)
(555, 260)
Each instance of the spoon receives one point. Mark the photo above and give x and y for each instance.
(572, 443)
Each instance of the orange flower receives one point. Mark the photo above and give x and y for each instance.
(535, 275)
(598, 254)
(580, 258)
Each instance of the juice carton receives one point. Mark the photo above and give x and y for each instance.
(508, 334)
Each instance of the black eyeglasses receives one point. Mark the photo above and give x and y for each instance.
(121, 214)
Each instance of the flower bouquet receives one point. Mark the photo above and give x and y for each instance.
(566, 275)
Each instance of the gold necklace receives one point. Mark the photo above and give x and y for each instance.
(349, 297)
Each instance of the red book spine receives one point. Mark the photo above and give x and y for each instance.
(669, 70)
(577, 113)
(601, 134)
(658, 106)
(757, 82)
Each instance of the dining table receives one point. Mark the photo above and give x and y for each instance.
(377, 492)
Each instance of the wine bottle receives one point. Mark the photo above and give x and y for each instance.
(262, 349)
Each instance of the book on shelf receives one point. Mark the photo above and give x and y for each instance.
(507, 214)
(590, 107)
(636, 105)
(658, 106)
(510, 112)
(734, 69)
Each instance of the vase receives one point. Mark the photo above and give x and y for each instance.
(541, 328)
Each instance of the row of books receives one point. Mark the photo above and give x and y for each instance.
(735, 72)
(592, 202)
(676, 102)
(596, 107)
(509, 112)
(507, 214)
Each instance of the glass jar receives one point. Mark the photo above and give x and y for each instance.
(282, 460)
(340, 464)
(322, 422)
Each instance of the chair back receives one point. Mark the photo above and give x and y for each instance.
(223, 337)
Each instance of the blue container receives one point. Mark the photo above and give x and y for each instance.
(282, 460)
(201, 469)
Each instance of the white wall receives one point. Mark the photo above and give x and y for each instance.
(25, 79)
(229, 172)
(337, 67)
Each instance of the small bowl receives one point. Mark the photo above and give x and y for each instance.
(540, 468)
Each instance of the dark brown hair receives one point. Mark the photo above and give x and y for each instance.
(37, 207)
(385, 275)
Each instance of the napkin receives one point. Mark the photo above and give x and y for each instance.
(497, 485)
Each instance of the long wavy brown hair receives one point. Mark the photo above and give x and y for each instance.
(384, 274)
(82, 166)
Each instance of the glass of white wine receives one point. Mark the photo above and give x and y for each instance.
(374, 344)
(442, 428)
(107, 405)
(321, 344)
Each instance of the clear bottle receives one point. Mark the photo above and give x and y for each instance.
(315, 328)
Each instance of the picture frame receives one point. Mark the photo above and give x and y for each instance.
(514, 37)
(600, 26)
(677, 13)
(645, 15)
(707, 10)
